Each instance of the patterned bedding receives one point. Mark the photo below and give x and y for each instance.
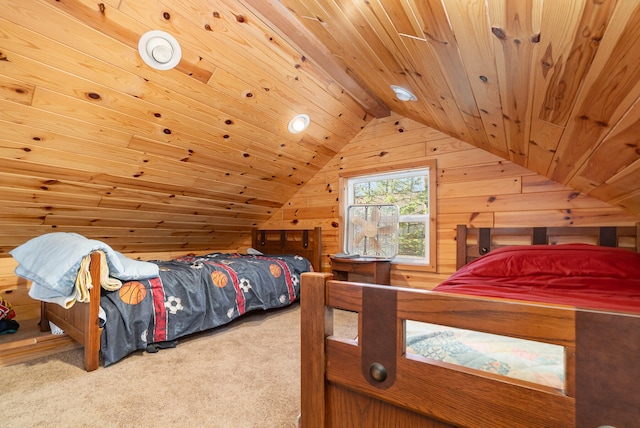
(521, 359)
(195, 293)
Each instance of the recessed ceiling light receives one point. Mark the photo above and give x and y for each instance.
(159, 50)
(403, 94)
(299, 123)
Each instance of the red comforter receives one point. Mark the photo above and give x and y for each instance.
(581, 275)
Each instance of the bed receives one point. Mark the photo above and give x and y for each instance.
(378, 378)
(191, 294)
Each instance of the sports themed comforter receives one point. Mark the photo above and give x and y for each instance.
(192, 294)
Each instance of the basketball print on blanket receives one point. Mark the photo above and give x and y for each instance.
(132, 292)
(275, 270)
(219, 279)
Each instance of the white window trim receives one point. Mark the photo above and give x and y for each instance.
(347, 178)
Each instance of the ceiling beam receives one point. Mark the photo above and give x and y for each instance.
(287, 26)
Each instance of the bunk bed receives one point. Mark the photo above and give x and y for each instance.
(373, 379)
(279, 248)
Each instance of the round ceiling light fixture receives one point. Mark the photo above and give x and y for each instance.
(299, 123)
(403, 94)
(159, 50)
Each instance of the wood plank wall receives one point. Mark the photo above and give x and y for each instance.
(474, 188)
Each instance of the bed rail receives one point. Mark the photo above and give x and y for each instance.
(359, 382)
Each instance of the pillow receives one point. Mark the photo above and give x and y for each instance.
(134, 269)
(53, 260)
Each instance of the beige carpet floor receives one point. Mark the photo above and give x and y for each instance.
(245, 374)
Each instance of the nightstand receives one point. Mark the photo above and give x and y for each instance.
(380, 269)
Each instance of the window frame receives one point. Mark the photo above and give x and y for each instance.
(344, 177)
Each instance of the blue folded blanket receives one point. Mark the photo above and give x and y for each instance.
(53, 260)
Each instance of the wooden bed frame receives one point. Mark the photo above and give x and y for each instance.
(371, 381)
(80, 322)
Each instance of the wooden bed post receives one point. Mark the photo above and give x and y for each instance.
(461, 246)
(314, 327)
(607, 371)
(80, 322)
(317, 250)
(92, 327)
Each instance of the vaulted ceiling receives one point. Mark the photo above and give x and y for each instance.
(94, 139)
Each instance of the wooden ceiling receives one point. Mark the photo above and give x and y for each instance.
(95, 141)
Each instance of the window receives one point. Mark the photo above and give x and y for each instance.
(413, 190)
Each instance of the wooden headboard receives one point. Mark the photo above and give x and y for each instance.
(304, 242)
(475, 242)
